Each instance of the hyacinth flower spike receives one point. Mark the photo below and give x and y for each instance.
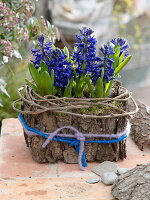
(84, 58)
(121, 57)
(82, 73)
(58, 67)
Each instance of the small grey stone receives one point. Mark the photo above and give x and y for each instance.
(93, 180)
(122, 170)
(109, 178)
(105, 166)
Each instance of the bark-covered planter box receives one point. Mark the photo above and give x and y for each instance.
(73, 109)
(49, 114)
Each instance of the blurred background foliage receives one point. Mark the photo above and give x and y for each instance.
(14, 73)
(19, 27)
(127, 18)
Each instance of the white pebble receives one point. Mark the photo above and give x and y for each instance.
(109, 178)
(93, 180)
(122, 170)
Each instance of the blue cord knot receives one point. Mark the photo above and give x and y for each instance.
(74, 142)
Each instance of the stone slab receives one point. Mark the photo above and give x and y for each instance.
(105, 166)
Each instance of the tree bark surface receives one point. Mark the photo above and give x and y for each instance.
(140, 126)
(133, 185)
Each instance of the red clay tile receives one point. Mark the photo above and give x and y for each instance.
(53, 181)
(16, 160)
(132, 148)
(54, 189)
(11, 126)
(133, 160)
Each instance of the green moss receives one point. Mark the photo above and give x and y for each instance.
(61, 114)
(101, 109)
(117, 103)
(96, 110)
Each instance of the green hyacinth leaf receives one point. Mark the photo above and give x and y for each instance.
(115, 56)
(43, 67)
(90, 86)
(68, 90)
(116, 62)
(117, 50)
(121, 57)
(52, 77)
(122, 65)
(107, 88)
(66, 51)
(46, 83)
(99, 88)
(34, 87)
(35, 75)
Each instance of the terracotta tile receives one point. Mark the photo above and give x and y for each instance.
(26, 190)
(52, 181)
(11, 126)
(54, 189)
(132, 148)
(133, 160)
(67, 170)
(16, 161)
